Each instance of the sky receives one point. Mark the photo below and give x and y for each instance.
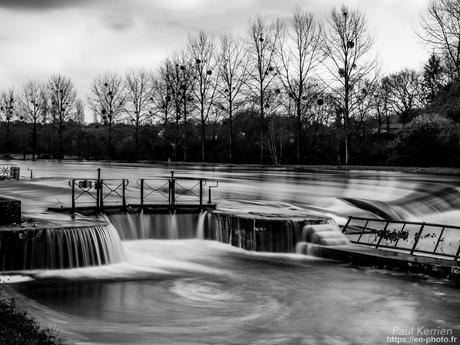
(83, 38)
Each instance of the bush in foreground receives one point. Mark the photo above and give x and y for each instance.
(16, 328)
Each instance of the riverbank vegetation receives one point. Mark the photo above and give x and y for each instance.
(298, 90)
(17, 328)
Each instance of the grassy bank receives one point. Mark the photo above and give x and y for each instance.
(17, 328)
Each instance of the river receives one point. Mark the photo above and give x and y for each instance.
(205, 292)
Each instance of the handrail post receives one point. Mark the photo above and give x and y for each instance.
(142, 194)
(400, 232)
(362, 232)
(201, 194)
(418, 237)
(124, 193)
(346, 224)
(172, 189)
(101, 198)
(439, 239)
(73, 196)
(98, 189)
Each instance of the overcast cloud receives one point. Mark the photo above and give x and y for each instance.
(81, 38)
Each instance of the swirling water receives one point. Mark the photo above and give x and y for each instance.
(204, 292)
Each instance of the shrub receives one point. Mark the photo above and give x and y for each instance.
(428, 140)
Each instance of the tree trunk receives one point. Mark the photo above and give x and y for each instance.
(299, 133)
(185, 132)
(262, 124)
(60, 141)
(110, 141)
(34, 140)
(136, 138)
(203, 139)
(230, 156)
(346, 114)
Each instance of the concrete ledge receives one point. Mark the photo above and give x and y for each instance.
(10, 211)
(369, 257)
(136, 208)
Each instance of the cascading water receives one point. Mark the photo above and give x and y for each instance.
(200, 225)
(137, 226)
(57, 248)
(276, 235)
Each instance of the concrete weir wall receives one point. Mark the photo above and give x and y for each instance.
(59, 248)
(258, 232)
(10, 211)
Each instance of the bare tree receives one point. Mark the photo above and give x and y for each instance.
(232, 62)
(262, 42)
(8, 110)
(364, 105)
(182, 89)
(161, 96)
(107, 100)
(201, 49)
(62, 96)
(441, 29)
(299, 52)
(381, 100)
(406, 93)
(79, 111)
(347, 45)
(32, 106)
(138, 93)
(433, 78)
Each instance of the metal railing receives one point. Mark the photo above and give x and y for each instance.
(100, 191)
(9, 172)
(175, 191)
(412, 237)
(112, 192)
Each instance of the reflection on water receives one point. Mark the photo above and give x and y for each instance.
(209, 293)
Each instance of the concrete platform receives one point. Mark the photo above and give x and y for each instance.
(370, 257)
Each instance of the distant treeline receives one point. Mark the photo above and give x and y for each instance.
(299, 91)
(426, 141)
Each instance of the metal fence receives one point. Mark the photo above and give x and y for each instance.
(415, 238)
(167, 192)
(9, 172)
(175, 191)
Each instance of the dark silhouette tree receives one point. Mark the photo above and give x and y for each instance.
(107, 101)
(441, 29)
(433, 77)
(32, 105)
(138, 94)
(201, 49)
(232, 61)
(262, 43)
(347, 45)
(62, 96)
(8, 109)
(299, 52)
(406, 93)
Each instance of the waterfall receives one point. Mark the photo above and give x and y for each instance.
(138, 226)
(58, 248)
(200, 225)
(278, 235)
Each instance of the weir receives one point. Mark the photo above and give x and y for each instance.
(185, 216)
(59, 248)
